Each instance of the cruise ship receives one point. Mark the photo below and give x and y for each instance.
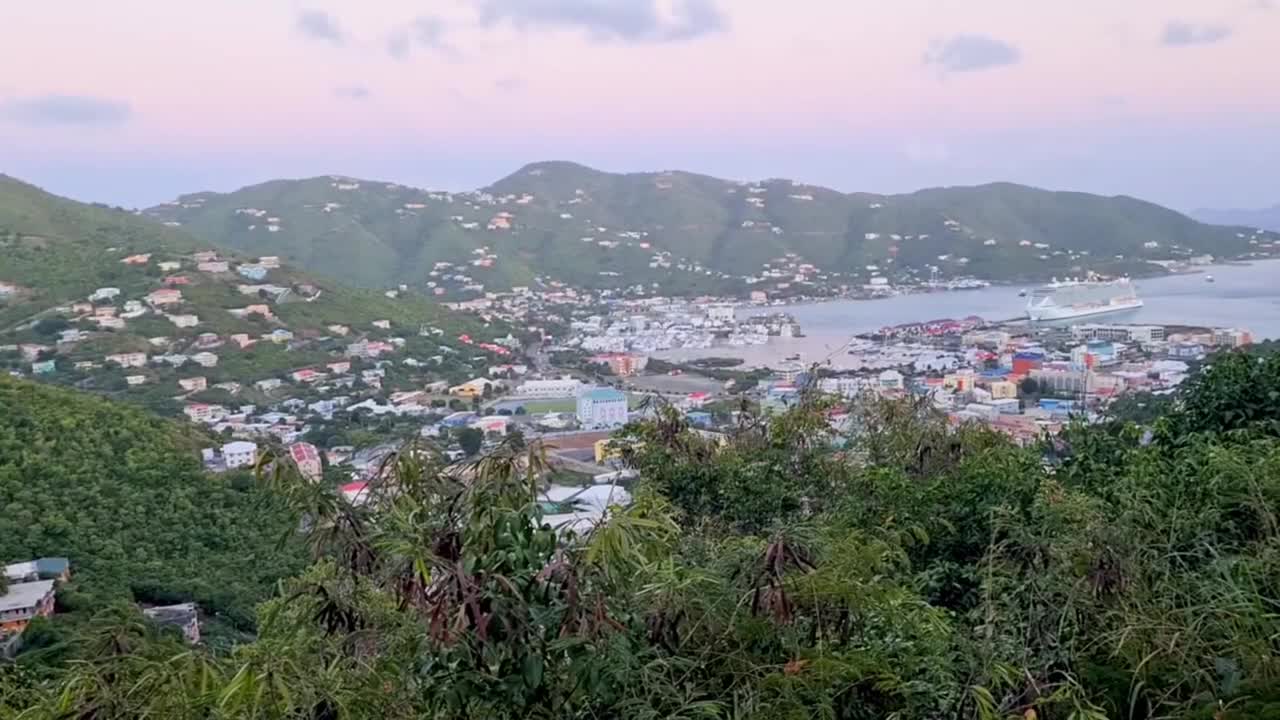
(1081, 298)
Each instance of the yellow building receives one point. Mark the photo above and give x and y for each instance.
(1003, 389)
(471, 388)
(606, 450)
(611, 449)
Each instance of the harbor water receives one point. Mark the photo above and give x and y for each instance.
(1243, 296)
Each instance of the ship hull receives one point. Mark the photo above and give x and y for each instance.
(1057, 312)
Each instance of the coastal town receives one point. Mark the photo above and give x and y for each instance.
(339, 418)
(591, 363)
(567, 366)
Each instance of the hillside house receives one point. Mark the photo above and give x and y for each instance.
(31, 352)
(173, 359)
(367, 349)
(239, 454)
(269, 384)
(108, 322)
(408, 397)
(252, 272)
(339, 330)
(176, 280)
(164, 296)
(306, 376)
(242, 340)
(271, 262)
(204, 413)
(339, 368)
(273, 292)
(45, 367)
(128, 360)
(7, 289)
(23, 602)
(208, 341)
(195, 384)
(183, 321)
(169, 266)
(214, 267)
(307, 458)
(205, 256)
(104, 294)
(278, 336)
(471, 388)
(382, 324)
(135, 380)
(57, 569)
(205, 359)
(137, 259)
(183, 616)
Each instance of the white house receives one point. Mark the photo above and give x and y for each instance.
(239, 454)
(128, 360)
(890, 380)
(200, 412)
(194, 384)
(602, 407)
(721, 313)
(561, 388)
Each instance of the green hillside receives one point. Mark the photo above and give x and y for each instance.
(122, 494)
(56, 256)
(689, 232)
(913, 568)
(56, 250)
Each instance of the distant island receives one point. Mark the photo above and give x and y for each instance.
(1261, 219)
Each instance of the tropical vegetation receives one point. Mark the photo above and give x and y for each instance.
(123, 495)
(835, 561)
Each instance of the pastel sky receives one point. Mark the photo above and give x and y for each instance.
(134, 101)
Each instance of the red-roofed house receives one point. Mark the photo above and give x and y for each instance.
(307, 458)
(306, 375)
(164, 296)
(356, 492)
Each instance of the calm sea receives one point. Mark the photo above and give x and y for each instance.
(1246, 296)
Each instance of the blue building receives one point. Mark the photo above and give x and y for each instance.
(699, 418)
(252, 272)
(1058, 407)
(602, 407)
(458, 419)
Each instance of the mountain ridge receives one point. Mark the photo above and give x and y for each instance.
(1267, 218)
(682, 233)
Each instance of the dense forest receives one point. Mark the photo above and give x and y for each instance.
(907, 568)
(122, 494)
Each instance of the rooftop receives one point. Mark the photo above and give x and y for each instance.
(172, 614)
(42, 567)
(25, 595)
(605, 395)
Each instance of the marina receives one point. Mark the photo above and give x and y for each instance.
(1241, 295)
